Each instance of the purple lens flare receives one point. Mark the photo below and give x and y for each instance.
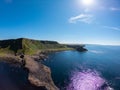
(87, 80)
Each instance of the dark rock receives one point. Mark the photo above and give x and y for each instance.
(22, 56)
(80, 48)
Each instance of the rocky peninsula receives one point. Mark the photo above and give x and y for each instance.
(28, 53)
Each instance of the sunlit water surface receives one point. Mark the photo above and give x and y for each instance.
(97, 69)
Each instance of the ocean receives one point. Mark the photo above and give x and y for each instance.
(79, 70)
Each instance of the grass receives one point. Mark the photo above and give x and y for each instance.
(4, 51)
(29, 47)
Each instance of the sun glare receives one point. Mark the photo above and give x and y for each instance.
(87, 2)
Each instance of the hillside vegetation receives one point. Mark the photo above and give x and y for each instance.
(29, 46)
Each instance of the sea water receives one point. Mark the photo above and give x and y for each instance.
(96, 69)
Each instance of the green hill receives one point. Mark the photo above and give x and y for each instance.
(29, 46)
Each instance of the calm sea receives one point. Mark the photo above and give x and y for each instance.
(103, 59)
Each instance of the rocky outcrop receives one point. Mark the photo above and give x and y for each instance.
(39, 75)
(80, 48)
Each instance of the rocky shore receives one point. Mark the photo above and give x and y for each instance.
(39, 74)
(27, 53)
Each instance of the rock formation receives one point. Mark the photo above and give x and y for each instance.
(39, 75)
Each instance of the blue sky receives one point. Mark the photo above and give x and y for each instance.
(65, 21)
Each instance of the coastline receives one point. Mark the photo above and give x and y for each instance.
(39, 75)
(27, 53)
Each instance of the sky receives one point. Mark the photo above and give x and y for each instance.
(65, 21)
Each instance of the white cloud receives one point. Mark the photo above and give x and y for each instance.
(86, 18)
(112, 28)
(114, 9)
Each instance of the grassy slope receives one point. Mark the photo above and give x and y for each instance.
(6, 50)
(33, 46)
(28, 46)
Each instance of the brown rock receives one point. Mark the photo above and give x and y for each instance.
(39, 74)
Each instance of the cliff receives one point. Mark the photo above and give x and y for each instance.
(28, 46)
(39, 75)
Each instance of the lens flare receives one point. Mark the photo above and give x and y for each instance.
(87, 80)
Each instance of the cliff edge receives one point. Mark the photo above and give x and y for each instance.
(39, 75)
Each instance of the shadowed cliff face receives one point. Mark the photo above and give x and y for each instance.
(15, 78)
(12, 44)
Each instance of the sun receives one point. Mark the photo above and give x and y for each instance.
(87, 2)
